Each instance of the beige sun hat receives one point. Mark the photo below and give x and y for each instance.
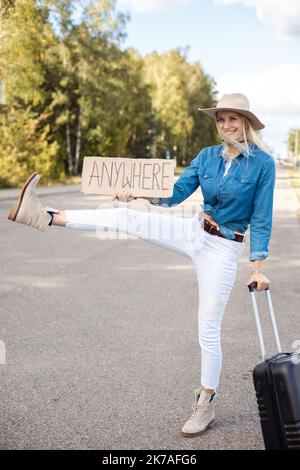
(235, 102)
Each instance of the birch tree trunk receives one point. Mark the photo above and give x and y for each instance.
(69, 150)
(78, 142)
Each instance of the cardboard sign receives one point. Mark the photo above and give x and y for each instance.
(139, 176)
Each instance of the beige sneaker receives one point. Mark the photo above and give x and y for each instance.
(28, 209)
(203, 416)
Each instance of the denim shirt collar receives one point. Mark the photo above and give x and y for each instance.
(251, 146)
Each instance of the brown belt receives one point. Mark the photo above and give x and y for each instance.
(208, 227)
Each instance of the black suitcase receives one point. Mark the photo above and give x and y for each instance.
(277, 385)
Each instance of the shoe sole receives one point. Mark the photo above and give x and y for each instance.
(16, 207)
(195, 434)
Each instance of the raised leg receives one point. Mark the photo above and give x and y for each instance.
(180, 234)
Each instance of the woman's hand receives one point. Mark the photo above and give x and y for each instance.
(138, 204)
(262, 281)
(125, 196)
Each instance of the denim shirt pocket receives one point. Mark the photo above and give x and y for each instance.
(243, 186)
(245, 179)
(205, 175)
(207, 183)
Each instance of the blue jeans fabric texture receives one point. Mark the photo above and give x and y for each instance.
(214, 258)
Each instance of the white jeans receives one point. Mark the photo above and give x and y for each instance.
(215, 259)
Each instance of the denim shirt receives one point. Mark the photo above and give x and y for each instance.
(243, 196)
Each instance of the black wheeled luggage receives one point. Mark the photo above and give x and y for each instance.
(277, 385)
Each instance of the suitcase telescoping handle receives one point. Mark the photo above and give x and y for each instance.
(252, 288)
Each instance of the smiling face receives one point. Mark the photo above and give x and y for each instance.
(231, 124)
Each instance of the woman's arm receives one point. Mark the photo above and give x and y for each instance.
(127, 197)
(257, 265)
(258, 276)
(261, 218)
(261, 224)
(186, 184)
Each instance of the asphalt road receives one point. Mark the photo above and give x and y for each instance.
(101, 336)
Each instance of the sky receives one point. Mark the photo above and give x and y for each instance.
(246, 46)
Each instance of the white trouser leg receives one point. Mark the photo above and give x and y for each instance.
(175, 233)
(216, 272)
(215, 260)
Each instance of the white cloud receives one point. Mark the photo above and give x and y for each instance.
(282, 16)
(274, 95)
(153, 5)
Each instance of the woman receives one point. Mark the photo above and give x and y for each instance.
(237, 181)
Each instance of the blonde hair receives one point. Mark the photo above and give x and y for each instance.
(250, 135)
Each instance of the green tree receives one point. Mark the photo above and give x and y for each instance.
(6, 7)
(24, 146)
(123, 113)
(89, 73)
(25, 34)
(67, 89)
(201, 94)
(177, 90)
